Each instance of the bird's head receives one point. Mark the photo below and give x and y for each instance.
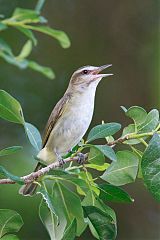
(88, 75)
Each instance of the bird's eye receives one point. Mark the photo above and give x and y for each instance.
(85, 71)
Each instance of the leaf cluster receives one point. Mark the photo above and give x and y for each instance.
(28, 21)
(79, 194)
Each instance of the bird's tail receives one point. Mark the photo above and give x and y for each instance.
(30, 188)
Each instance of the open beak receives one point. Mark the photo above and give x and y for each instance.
(97, 71)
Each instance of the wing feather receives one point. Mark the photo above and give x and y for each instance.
(55, 115)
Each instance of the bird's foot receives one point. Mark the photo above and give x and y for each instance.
(61, 162)
(81, 158)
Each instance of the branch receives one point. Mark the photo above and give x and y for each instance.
(35, 175)
(132, 136)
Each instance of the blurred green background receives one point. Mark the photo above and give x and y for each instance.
(124, 33)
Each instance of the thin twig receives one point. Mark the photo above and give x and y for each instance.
(35, 175)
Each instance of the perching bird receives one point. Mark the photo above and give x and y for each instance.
(69, 119)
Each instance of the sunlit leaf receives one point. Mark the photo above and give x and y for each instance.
(98, 167)
(103, 130)
(10, 150)
(33, 136)
(10, 109)
(57, 34)
(124, 170)
(27, 16)
(26, 50)
(10, 221)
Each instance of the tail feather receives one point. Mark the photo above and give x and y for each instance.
(30, 188)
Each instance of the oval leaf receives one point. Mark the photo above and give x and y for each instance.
(150, 167)
(10, 109)
(124, 170)
(33, 136)
(10, 221)
(107, 151)
(102, 222)
(57, 34)
(103, 130)
(112, 193)
(138, 114)
(151, 122)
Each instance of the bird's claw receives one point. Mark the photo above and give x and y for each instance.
(61, 162)
(81, 158)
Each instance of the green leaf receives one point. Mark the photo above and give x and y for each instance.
(87, 176)
(124, 170)
(70, 232)
(26, 50)
(96, 156)
(9, 175)
(97, 202)
(98, 167)
(112, 193)
(68, 206)
(33, 136)
(48, 200)
(150, 167)
(10, 109)
(150, 123)
(28, 33)
(127, 130)
(57, 34)
(107, 151)
(103, 130)
(50, 222)
(10, 237)
(10, 150)
(46, 71)
(27, 15)
(138, 114)
(102, 222)
(10, 221)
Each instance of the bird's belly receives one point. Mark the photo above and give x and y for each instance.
(69, 130)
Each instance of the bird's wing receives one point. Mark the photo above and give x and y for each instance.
(55, 115)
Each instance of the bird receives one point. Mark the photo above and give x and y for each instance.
(70, 118)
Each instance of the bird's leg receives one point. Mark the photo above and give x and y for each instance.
(81, 158)
(60, 159)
